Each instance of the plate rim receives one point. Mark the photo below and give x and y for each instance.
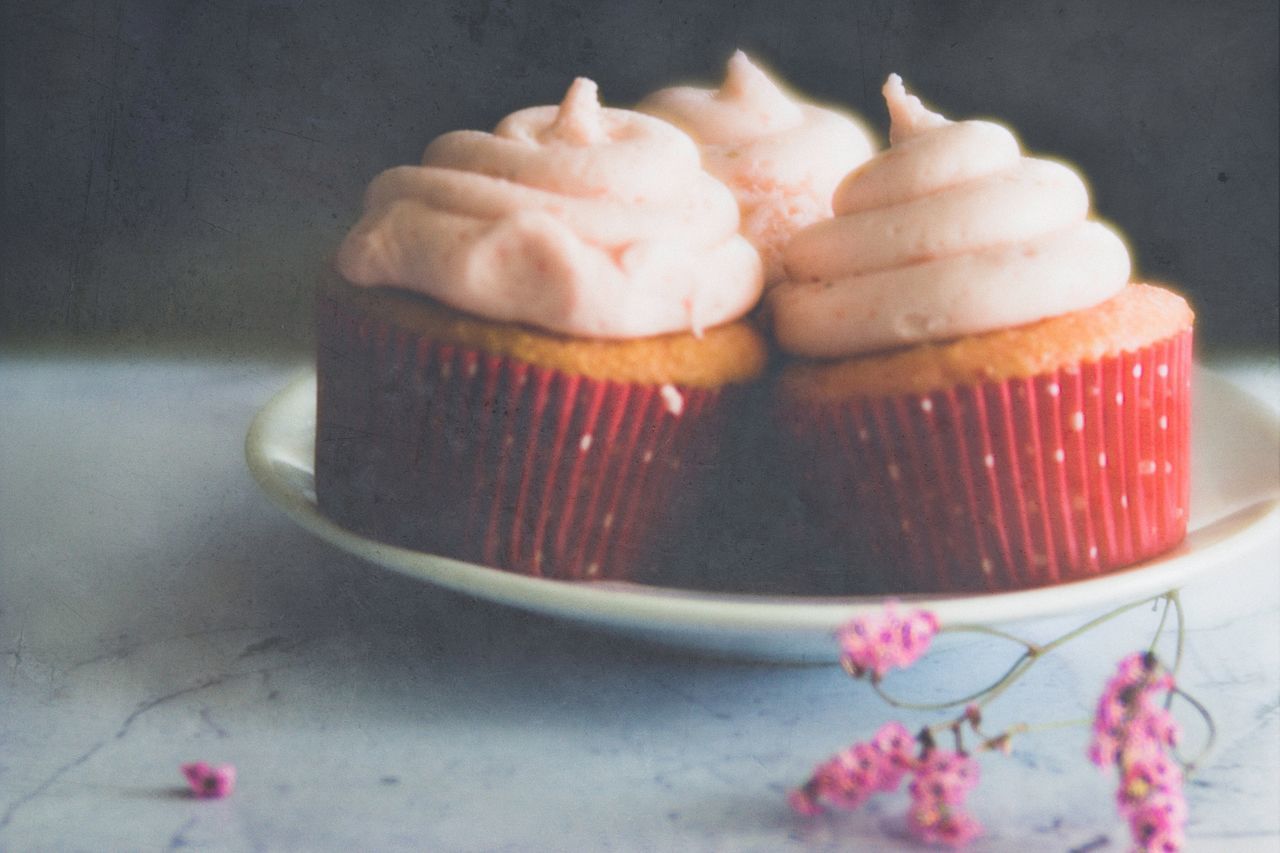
(614, 604)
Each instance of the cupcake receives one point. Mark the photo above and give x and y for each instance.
(782, 157)
(978, 396)
(532, 343)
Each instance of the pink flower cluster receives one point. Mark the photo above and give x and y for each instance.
(1132, 732)
(878, 642)
(941, 780)
(209, 782)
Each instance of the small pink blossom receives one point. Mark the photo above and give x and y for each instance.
(878, 642)
(1128, 714)
(804, 803)
(849, 777)
(944, 776)
(1132, 730)
(943, 780)
(938, 823)
(208, 781)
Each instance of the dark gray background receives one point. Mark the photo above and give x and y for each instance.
(178, 171)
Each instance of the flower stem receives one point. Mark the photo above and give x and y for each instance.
(1033, 652)
(1210, 739)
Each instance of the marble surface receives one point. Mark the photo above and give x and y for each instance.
(155, 608)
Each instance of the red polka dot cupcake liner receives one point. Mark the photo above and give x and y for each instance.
(1028, 482)
(492, 460)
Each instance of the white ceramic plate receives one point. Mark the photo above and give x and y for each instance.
(1235, 504)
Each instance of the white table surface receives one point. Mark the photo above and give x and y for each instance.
(155, 608)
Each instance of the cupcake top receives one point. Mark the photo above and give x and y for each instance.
(948, 232)
(576, 219)
(782, 157)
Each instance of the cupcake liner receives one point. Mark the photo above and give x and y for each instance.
(490, 459)
(1007, 485)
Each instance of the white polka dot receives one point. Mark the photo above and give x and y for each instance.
(1137, 371)
(1094, 390)
(1039, 560)
(584, 443)
(989, 461)
(1168, 467)
(1102, 460)
(1163, 422)
(926, 405)
(895, 473)
(648, 456)
(1059, 455)
(987, 566)
(1119, 398)
(537, 558)
(472, 369)
(1147, 467)
(1124, 501)
(672, 399)
(1093, 552)
(1177, 513)
(906, 525)
(1162, 370)
(1052, 389)
(863, 435)
(593, 570)
(1077, 421)
(608, 521)
(509, 440)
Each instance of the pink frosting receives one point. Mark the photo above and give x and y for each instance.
(948, 232)
(577, 219)
(781, 157)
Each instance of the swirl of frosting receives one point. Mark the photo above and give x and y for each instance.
(577, 219)
(948, 232)
(781, 157)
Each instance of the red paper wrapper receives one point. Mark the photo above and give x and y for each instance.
(492, 460)
(1007, 485)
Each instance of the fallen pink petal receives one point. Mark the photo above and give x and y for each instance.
(210, 782)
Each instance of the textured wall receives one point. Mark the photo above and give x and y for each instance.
(181, 169)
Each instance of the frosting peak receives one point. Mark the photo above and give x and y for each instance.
(907, 115)
(580, 118)
(782, 157)
(577, 218)
(949, 232)
(746, 83)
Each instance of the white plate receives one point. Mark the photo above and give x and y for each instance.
(1235, 504)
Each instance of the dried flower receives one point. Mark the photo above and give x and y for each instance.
(209, 782)
(849, 777)
(944, 776)
(936, 823)
(1132, 730)
(878, 642)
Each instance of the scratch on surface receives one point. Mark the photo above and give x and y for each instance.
(207, 716)
(179, 838)
(47, 783)
(692, 700)
(290, 133)
(214, 681)
(127, 649)
(271, 643)
(217, 226)
(144, 707)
